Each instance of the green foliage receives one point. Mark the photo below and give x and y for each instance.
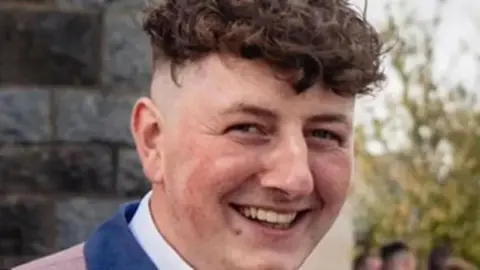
(424, 187)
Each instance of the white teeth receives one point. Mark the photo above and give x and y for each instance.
(275, 218)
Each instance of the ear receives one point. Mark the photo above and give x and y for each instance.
(146, 125)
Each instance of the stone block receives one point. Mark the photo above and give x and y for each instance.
(22, 2)
(86, 116)
(24, 115)
(61, 169)
(132, 5)
(8, 262)
(131, 181)
(127, 55)
(26, 227)
(81, 4)
(77, 218)
(100, 4)
(49, 47)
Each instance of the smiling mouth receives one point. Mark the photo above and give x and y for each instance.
(270, 218)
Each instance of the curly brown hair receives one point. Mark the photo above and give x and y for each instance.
(327, 41)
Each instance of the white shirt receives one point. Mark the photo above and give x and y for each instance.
(158, 250)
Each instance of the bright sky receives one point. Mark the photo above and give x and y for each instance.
(461, 22)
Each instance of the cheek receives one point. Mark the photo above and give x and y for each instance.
(332, 174)
(204, 191)
(202, 176)
(218, 175)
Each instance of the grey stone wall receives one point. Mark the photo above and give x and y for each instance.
(70, 71)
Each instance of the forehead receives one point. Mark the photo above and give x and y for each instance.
(403, 255)
(224, 83)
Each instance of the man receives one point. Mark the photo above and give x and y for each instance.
(438, 257)
(397, 256)
(246, 136)
(454, 263)
(367, 262)
(441, 258)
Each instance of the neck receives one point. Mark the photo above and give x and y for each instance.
(166, 222)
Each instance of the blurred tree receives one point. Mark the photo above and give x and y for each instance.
(422, 182)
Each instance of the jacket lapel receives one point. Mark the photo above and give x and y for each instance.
(113, 246)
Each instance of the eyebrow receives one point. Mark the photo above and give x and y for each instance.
(329, 118)
(266, 113)
(251, 109)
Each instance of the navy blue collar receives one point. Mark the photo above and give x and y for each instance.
(113, 246)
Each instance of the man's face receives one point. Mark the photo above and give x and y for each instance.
(410, 262)
(249, 174)
(373, 263)
(402, 261)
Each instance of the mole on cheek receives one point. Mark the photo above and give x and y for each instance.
(238, 232)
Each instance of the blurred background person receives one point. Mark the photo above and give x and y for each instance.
(367, 261)
(438, 257)
(397, 256)
(454, 263)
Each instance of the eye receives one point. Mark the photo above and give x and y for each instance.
(246, 128)
(326, 135)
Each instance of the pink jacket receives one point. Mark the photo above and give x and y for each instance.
(111, 247)
(69, 259)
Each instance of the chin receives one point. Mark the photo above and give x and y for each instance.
(272, 264)
(270, 261)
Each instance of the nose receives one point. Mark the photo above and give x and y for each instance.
(289, 169)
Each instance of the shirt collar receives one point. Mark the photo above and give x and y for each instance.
(149, 238)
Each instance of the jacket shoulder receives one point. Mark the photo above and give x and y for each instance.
(69, 259)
